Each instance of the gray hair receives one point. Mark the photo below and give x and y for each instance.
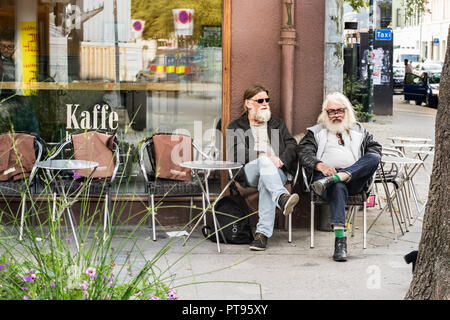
(342, 100)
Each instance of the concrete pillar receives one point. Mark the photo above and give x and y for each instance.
(334, 46)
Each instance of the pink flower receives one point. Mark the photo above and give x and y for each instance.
(84, 285)
(91, 272)
(155, 298)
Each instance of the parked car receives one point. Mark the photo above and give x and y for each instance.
(398, 72)
(424, 88)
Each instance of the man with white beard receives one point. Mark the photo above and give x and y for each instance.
(267, 150)
(340, 156)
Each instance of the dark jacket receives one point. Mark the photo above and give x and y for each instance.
(308, 148)
(240, 144)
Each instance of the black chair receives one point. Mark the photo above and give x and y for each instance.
(160, 187)
(353, 203)
(96, 186)
(22, 187)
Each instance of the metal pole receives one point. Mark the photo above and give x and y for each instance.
(116, 40)
(370, 61)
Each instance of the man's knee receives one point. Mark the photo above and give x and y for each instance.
(373, 159)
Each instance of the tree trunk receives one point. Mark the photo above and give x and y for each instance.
(431, 275)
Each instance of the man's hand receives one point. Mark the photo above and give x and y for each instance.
(276, 161)
(326, 170)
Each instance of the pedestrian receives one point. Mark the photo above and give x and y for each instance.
(340, 157)
(267, 150)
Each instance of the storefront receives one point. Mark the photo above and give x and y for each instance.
(135, 67)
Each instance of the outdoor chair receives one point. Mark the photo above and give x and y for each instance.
(354, 202)
(251, 194)
(393, 174)
(158, 186)
(19, 153)
(96, 146)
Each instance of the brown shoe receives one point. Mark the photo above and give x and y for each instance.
(260, 242)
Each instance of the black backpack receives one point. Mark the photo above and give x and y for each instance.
(238, 232)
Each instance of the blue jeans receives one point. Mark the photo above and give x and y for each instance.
(270, 181)
(336, 195)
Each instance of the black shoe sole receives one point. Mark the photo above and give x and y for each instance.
(340, 259)
(290, 204)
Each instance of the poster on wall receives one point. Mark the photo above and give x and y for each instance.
(29, 46)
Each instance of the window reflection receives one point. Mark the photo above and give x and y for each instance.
(155, 65)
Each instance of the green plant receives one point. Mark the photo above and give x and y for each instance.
(356, 91)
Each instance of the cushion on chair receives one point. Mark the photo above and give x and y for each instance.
(94, 146)
(10, 165)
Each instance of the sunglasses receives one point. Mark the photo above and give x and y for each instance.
(340, 139)
(262, 100)
(335, 111)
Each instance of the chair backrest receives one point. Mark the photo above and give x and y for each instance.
(18, 154)
(166, 152)
(98, 147)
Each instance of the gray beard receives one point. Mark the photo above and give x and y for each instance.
(261, 115)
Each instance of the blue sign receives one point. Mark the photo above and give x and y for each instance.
(436, 40)
(383, 34)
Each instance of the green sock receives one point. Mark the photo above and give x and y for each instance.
(339, 233)
(336, 178)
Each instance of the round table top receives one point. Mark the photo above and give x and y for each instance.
(413, 145)
(211, 165)
(411, 139)
(400, 160)
(66, 164)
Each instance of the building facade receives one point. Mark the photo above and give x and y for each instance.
(424, 31)
(155, 67)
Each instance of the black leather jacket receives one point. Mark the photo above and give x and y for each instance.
(308, 146)
(240, 144)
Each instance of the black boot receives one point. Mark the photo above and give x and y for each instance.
(340, 249)
(411, 257)
(320, 185)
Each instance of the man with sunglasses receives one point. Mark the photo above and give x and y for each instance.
(267, 150)
(340, 157)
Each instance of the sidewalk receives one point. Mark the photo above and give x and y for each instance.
(288, 271)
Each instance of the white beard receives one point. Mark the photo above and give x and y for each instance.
(336, 127)
(261, 115)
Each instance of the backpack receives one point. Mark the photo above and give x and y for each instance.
(238, 232)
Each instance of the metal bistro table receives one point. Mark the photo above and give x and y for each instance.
(207, 166)
(395, 161)
(66, 165)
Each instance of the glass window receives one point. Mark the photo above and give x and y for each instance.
(133, 67)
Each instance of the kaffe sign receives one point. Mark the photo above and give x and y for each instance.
(101, 118)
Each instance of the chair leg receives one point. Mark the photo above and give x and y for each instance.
(204, 206)
(365, 225)
(54, 207)
(153, 216)
(354, 211)
(22, 216)
(290, 228)
(312, 220)
(190, 209)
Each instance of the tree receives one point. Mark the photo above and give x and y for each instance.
(431, 274)
(159, 19)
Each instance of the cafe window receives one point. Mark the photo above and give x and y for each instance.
(143, 66)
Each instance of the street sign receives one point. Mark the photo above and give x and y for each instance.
(383, 34)
(436, 40)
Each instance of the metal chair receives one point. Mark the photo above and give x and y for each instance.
(22, 185)
(98, 186)
(353, 202)
(161, 187)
